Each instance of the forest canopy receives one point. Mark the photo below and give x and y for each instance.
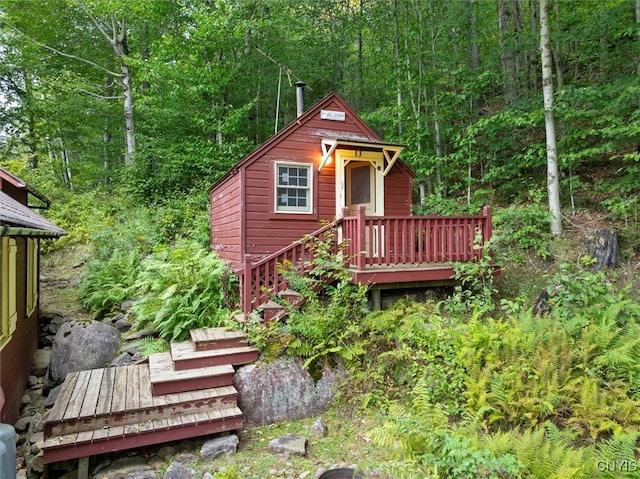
(164, 96)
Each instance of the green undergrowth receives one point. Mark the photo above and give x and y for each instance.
(473, 387)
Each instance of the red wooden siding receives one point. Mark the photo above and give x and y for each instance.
(397, 192)
(16, 355)
(226, 220)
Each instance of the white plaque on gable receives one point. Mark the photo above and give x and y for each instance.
(332, 115)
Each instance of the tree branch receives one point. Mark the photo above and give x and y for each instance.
(101, 97)
(66, 55)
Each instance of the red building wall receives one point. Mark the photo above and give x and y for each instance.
(16, 355)
(227, 219)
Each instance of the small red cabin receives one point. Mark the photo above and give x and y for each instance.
(328, 166)
(325, 160)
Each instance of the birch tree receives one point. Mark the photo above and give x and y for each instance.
(553, 183)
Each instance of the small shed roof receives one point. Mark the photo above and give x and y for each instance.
(18, 183)
(17, 219)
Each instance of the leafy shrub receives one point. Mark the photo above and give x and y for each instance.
(525, 226)
(475, 291)
(108, 282)
(420, 435)
(324, 329)
(183, 287)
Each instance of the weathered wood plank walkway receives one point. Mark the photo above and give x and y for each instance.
(112, 409)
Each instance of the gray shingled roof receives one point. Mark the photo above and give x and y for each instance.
(18, 219)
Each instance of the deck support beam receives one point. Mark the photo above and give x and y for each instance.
(83, 468)
(376, 299)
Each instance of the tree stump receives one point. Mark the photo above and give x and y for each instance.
(603, 246)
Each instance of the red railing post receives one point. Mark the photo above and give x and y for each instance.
(486, 212)
(361, 242)
(247, 294)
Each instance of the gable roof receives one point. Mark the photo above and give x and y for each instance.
(369, 137)
(17, 219)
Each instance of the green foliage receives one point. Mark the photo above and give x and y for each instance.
(411, 343)
(110, 281)
(576, 367)
(476, 289)
(420, 436)
(545, 453)
(525, 226)
(329, 329)
(149, 346)
(182, 287)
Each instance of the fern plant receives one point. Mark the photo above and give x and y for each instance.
(109, 282)
(182, 287)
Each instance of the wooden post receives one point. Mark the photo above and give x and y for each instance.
(486, 212)
(603, 246)
(83, 468)
(376, 299)
(361, 243)
(246, 286)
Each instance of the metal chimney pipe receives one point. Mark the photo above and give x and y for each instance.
(300, 97)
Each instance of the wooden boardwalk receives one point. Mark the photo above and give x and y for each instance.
(112, 409)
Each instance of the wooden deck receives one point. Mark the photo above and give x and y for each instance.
(383, 251)
(112, 409)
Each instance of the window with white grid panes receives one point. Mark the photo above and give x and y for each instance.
(293, 188)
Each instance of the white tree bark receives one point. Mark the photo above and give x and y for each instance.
(116, 35)
(553, 182)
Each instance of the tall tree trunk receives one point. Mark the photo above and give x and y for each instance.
(507, 53)
(116, 35)
(144, 55)
(31, 134)
(557, 54)
(533, 68)
(474, 50)
(553, 183)
(638, 30)
(122, 50)
(106, 132)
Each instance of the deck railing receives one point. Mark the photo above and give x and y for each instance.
(266, 278)
(397, 240)
(381, 241)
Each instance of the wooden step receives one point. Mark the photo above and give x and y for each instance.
(185, 356)
(166, 380)
(120, 396)
(206, 339)
(272, 311)
(292, 297)
(146, 432)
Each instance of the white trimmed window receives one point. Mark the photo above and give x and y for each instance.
(32, 275)
(294, 188)
(8, 308)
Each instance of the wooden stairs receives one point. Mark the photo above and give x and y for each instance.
(183, 393)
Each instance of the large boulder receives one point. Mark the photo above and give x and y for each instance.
(81, 345)
(283, 390)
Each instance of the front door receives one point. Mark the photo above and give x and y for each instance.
(360, 187)
(359, 181)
